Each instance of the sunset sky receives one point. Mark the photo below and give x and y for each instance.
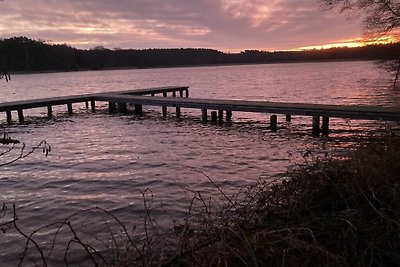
(228, 25)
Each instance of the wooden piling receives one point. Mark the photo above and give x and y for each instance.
(164, 111)
(214, 117)
(164, 94)
(173, 93)
(152, 94)
(69, 107)
(178, 112)
(9, 116)
(21, 116)
(288, 118)
(87, 104)
(315, 125)
(325, 126)
(93, 106)
(228, 115)
(204, 115)
(112, 107)
(274, 123)
(138, 109)
(180, 93)
(220, 116)
(122, 107)
(49, 111)
(187, 92)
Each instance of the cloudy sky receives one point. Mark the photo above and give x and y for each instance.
(228, 25)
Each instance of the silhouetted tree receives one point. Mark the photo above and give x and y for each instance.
(380, 17)
(4, 73)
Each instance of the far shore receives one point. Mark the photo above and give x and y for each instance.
(189, 66)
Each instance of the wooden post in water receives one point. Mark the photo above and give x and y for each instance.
(21, 116)
(112, 107)
(87, 104)
(288, 117)
(122, 107)
(138, 109)
(69, 107)
(214, 117)
(93, 106)
(325, 126)
(178, 112)
(173, 93)
(315, 125)
(228, 115)
(164, 94)
(220, 116)
(274, 123)
(204, 115)
(152, 94)
(187, 92)
(9, 116)
(180, 93)
(164, 111)
(49, 111)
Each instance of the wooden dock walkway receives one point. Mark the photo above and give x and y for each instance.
(180, 99)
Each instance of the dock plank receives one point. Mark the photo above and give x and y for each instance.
(351, 112)
(43, 102)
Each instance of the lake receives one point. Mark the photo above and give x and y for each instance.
(111, 161)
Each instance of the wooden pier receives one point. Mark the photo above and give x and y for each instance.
(178, 98)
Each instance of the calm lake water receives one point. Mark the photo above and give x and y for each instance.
(109, 161)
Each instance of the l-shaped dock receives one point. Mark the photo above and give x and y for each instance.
(177, 97)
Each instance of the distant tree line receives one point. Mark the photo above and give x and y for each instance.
(21, 54)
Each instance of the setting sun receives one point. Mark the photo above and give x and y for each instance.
(357, 42)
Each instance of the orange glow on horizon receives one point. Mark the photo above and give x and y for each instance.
(357, 42)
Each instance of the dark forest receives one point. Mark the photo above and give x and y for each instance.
(21, 54)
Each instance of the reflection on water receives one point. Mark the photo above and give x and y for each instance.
(110, 160)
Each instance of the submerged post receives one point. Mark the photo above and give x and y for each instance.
(112, 107)
(214, 116)
(288, 117)
(9, 116)
(122, 107)
(178, 112)
(220, 116)
(315, 125)
(204, 115)
(49, 111)
(21, 116)
(325, 126)
(187, 92)
(138, 109)
(69, 106)
(164, 111)
(174, 93)
(180, 93)
(164, 94)
(93, 106)
(228, 115)
(87, 104)
(273, 123)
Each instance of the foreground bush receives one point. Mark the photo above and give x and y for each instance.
(336, 212)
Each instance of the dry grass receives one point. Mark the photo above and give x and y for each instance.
(336, 212)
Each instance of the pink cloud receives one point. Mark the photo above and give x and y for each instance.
(220, 24)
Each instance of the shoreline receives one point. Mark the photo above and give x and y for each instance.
(189, 66)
